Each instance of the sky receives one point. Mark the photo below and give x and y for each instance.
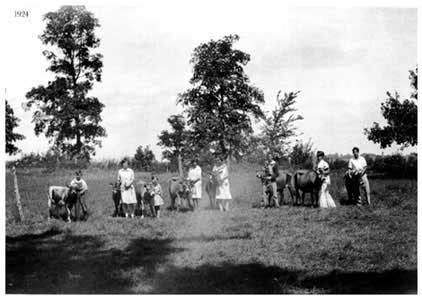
(343, 60)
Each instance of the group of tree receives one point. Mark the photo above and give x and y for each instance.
(219, 109)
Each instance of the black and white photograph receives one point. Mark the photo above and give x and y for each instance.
(210, 147)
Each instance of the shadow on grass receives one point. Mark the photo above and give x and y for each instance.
(50, 264)
(231, 278)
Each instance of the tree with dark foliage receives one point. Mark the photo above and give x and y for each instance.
(176, 142)
(221, 102)
(11, 137)
(401, 117)
(64, 112)
(144, 157)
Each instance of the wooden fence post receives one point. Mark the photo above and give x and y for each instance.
(17, 195)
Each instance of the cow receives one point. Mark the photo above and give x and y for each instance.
(180, 189)
(117, 198)
(283, 180)
(61, 196)
(307, 181)
(211, 188)
(352, 184)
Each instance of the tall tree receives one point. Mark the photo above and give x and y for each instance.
(401, 117)
(221, 102)
(176, 142)
(11, 136)
(279, 127)
(64, 112)
(143, 158)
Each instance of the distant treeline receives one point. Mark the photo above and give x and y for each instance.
(391, 166)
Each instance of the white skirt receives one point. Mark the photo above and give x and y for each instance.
(325, 199)
(128, 196)
(158, 200)
(223, 191)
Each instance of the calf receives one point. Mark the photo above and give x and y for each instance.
(211, 188)
(61, 196)
(307, 181)
(180, 189)
(283, 180)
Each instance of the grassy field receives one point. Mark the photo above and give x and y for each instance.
(247, 250)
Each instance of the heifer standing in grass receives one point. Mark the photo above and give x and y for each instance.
(357, 171)
(125, 179)
(211, 188)
(179, 190)
(61, 196)
(195, 177)
(323, 170)
(81, 189)
(307, 181)
(117, 197)
(283, 181)
(223, 195)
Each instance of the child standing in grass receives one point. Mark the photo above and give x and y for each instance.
(157, 194)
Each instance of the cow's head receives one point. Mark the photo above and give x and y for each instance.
(115, 188)
(262, 175)
(187, 186)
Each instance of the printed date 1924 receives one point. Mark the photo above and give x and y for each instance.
(21, 14)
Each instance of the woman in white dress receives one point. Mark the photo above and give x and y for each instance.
(195, 176)
(323, 170)
(125, 179)
(223, 195)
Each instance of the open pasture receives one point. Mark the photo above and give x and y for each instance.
(247, 250)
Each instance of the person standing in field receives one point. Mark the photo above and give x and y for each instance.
(195, 177)
(357, 167)
(125, 179)
(157, 196)
(223, 195)
(273, 172)
(323, 170)
(81, 188)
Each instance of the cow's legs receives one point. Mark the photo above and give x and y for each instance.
(291, 193)
(49, 207)
(303, 198)
(265, 195)
(68, 213)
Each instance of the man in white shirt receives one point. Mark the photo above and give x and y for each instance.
(195, 176)
(357, 167)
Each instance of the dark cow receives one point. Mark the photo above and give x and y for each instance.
(307, 181)
(117, 198)
(283, 180)
(352, 183)
(180, 189)
(62, 196)
(211, 188)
